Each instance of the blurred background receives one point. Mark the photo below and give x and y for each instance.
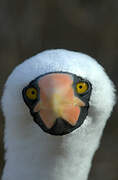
(28, 27)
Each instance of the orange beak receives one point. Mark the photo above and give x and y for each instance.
(57, 99)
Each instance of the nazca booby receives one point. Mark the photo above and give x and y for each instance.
(56, 105)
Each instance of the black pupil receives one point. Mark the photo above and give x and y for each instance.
(80, 87)
(33, 92)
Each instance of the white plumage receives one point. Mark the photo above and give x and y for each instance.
(32, 154)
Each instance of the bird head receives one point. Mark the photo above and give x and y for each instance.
(58, 90)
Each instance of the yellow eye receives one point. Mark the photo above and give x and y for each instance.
(31, 93)
(81, 87)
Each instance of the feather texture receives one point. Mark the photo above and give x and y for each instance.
(32, 154)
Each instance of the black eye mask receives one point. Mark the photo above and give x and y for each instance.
(58, 101)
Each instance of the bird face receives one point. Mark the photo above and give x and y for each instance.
(58, 101)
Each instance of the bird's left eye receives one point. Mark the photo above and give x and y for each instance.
(81, 87)
(31, 93)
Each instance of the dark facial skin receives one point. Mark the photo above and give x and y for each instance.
(60, 126)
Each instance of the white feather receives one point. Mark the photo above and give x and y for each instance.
(31, 154)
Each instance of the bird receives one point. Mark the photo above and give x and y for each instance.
(56, 105)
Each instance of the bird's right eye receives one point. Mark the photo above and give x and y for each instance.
(32, 93)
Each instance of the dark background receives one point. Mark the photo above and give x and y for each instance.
(29, 26)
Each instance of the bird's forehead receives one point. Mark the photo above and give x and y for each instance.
(54, 61)
(48, 63)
